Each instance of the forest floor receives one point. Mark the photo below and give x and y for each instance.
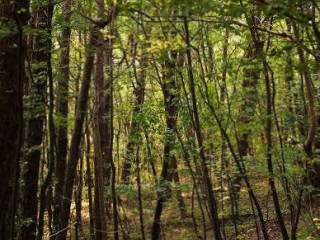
(175, 227)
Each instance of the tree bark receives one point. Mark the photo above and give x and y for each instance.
(271, 177)
(51, 148)
(99, 135)
(62, 113)
(82, 102)
(35, 118)
(73, 155)
(109, 124)
(197, 127)
(170, 95)
(12, 57)
(89, 185)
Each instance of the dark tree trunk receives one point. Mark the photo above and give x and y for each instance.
(89, 185)
(51, 150)
(35, 118)
(82, 102)
(73, 155)
(109, 126)
(78, 198)
(100, 216)
(310, 138)
(271, 177)
(143, 235)
(12, 57)
(62, 113)
(197, 127)
(169, 168)
(99, 136)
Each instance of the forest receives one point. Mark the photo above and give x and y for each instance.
(160, 119)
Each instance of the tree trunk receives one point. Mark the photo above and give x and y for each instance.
(169, 168)
(99, 136)
(89, 185)
(271, 177)
(206, 177)
(73, 155)
(78, 197)
(314, 173)
(100, 216)
(51, 149)
(62, 113)
(109, 126)
(12, 57)
(35, 118)
(82, 102)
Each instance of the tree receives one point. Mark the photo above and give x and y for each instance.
(62, 111)
(189, 99)
(35, 119)
(14, 17)
(73, 155)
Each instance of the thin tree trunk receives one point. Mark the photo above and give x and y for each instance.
(78, 196)
(272, 184)
(52, 137)
(73, 155)
(206, 177)
(312, 118)
(89, 184)
(169, 168)
(314, 173)
(62, 113)
(143, 235)
(110, 130)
